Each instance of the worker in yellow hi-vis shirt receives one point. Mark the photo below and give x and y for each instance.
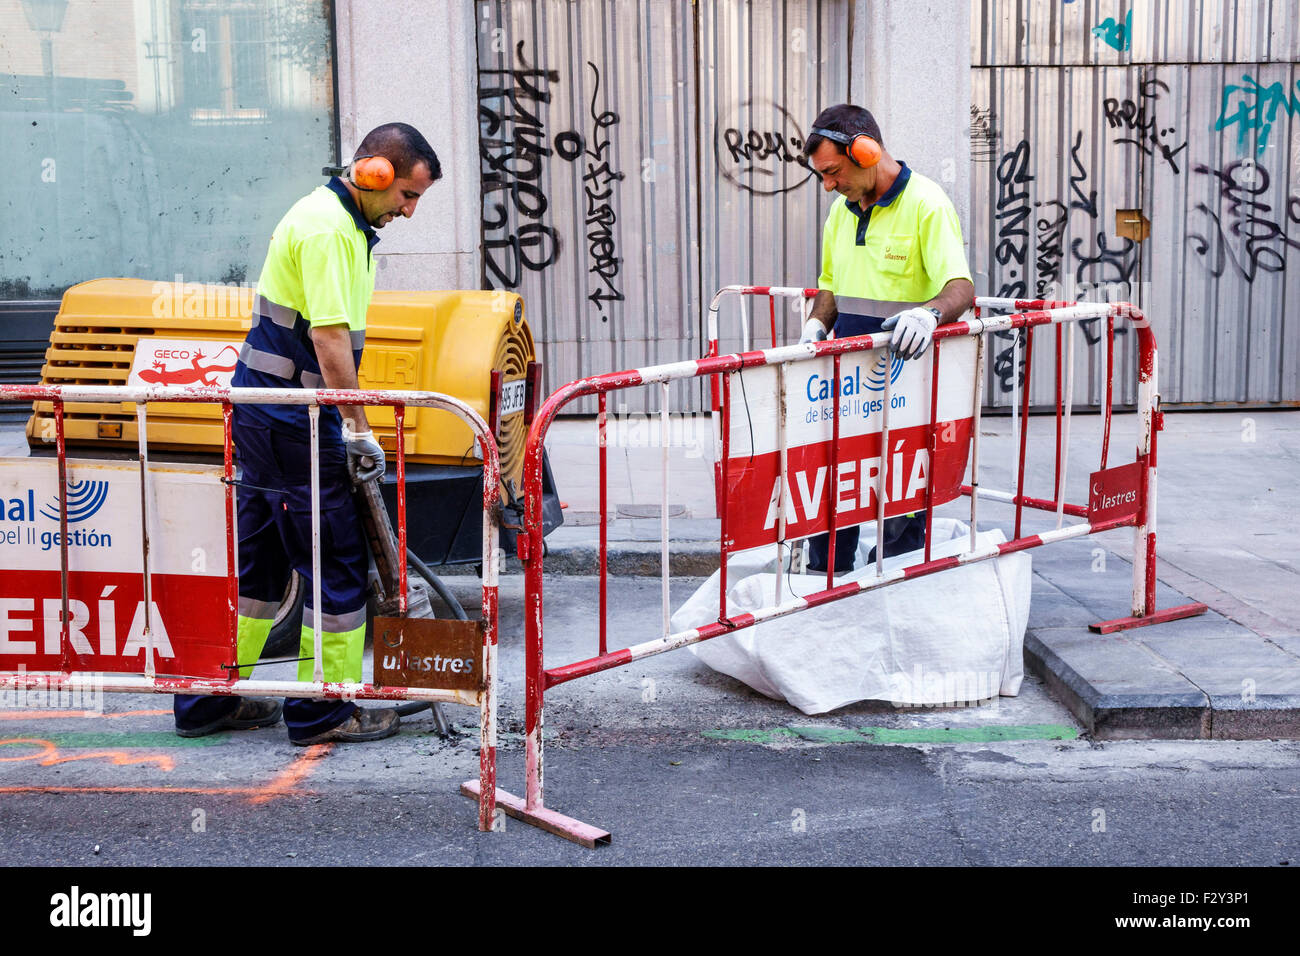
(892, 260)
(308, 331)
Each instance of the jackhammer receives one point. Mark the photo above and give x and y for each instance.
(386, 582)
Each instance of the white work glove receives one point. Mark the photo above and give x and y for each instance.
(365, 455)
(913, 329)
(813, 331)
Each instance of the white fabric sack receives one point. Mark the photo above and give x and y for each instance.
(951, 637)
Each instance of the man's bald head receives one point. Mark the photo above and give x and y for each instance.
(403, 146)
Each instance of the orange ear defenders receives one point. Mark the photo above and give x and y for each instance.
(368, 173)
(861, 148)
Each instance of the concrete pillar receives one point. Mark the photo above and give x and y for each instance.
(910, 66)
(417, 63)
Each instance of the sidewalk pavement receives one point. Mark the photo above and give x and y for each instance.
(1226, 536)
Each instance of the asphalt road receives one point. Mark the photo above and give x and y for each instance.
(672, 798)
(701, 771)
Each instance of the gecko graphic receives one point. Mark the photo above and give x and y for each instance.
(198, 375)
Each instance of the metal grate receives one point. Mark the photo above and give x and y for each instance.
(26, 326)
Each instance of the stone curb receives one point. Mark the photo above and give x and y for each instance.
(1189, 716)
(623, 558)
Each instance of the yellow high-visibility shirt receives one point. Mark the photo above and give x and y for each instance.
(900, 251)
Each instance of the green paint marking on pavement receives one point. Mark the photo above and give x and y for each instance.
(968, 735)
(144, 739)
(898, 735)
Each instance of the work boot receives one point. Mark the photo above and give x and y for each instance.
(363, 725)
(252, 712)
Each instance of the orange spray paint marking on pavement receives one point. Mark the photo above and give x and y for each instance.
(283, 785)
(49, 755)
(286, 782)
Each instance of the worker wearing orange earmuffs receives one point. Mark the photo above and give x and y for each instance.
(308, 331)
(892, 261)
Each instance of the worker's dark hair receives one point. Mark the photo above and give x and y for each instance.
(844, 118)
(403, 146)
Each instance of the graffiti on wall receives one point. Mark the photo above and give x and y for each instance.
(1030, 245)
(1255, 107)
(983, 135)
(1115, 34)
(1011, 251)
(1183, 186)
(515, 147)
(759, 148)
(1244, 232)
(1012, 217)
(598, 187)
(1140, 126)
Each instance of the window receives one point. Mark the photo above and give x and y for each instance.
(151, 138)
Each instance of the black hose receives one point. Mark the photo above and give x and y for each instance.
(457, 611)
(435, 582)
(413, 707)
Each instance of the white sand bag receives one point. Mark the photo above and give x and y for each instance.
(952, 637)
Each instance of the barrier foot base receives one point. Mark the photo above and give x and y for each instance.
(1155, 617)
(544, 819)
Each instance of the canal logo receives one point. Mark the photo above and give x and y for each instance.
(85, 498)
(875, 378)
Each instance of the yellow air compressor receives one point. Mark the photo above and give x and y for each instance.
(473, 345)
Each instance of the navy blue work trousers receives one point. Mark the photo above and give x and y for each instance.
(273, 499)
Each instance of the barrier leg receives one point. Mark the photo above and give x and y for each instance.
(975, 439)
(721, 466)
(530, 808)
(1056, 481)
(65, 642)
(663, 510)
(1024, 427)
(1110, 390)
(1144, 537)
(1063, 429)
(232, 579)
(833, 479)
(932, 446)
(782, 480)
(142, 432)
(883, 473)
(573, 830)
(601, 420)
(487, 752)
(318, 614)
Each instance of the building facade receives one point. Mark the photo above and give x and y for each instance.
(616, 161)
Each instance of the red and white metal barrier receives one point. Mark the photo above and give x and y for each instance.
(214, 652)
(1123, 496)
